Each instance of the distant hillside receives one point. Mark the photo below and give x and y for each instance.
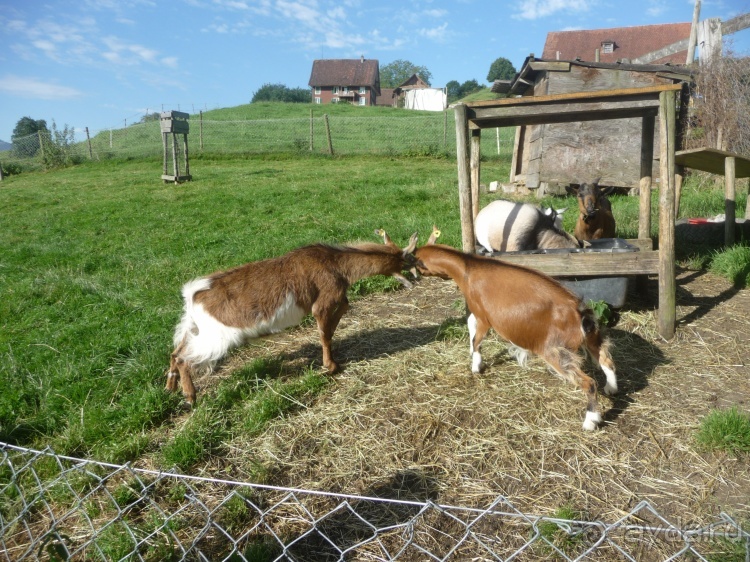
(5, 146)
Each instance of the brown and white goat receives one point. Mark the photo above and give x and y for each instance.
(507, 226)
(532, 311)
(595, 218)
(229, 307)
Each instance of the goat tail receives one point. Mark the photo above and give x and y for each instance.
(187, 324)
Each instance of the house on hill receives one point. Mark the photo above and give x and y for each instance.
(647, 44)
(415, 93)
(354, 81)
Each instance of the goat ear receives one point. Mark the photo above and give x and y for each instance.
(434, 235)
(383, 234)
(412, 244)
(596, 181)
(561, 211)
(607, 190)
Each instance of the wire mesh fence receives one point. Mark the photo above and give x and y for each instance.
(424, 133)
(61, 508)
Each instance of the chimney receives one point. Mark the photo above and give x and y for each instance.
(361, 58)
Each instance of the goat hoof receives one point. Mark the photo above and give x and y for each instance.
(609, 390)
(171, 382)
(592, 421)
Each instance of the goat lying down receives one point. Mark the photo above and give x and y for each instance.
(532, 311)
(227, 308)
(508, 226)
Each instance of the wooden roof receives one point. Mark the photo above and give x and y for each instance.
(712, 160)
(629, 43)
(345, 72)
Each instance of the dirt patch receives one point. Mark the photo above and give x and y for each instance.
(407, 404)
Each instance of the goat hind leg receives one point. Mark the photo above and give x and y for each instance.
(567, 365)
(328, 318)
(598, 349)
(477, 331)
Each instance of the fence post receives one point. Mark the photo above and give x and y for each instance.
(200, 132)
(1, 171)
(41, 143)
(88, 141)
(312, 132)
(445, 129)
(110, 138)
(328, 134)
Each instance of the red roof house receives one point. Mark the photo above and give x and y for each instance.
(666, 43)
(355, 81)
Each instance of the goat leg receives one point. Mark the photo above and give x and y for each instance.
(328, 318)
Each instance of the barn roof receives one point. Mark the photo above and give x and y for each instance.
(526, 77)
(345, 72)
(629, 43)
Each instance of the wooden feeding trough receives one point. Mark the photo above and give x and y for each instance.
(648, 104)
(175, 123)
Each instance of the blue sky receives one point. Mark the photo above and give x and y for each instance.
(104, 63)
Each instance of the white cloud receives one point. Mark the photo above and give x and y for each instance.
(438, 33)
(656, 8)
(37, 89)
(535, 9)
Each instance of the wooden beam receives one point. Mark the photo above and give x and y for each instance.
(475, 167)
(464, 178)
(735, 24)
(588, 264)
(729, 201)
(481, 118)
(667, 282)
(647, 165)
(628, 93)
(557, 66)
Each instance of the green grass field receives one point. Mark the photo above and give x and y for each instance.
(94, 256)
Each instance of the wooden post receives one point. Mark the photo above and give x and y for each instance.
(729, 200)
(88, 141)
(110, 138)
(464, 178)
(747, 203)
(187, 161)
(445, 129)
(476, 168)
(41, 143)
(667, 282)
(647, 172)
(175, 162)
(679, 177)
(312, 131)
(693, 33)
(328, 134)
(1, 172)
(200, 130)
(164, 143)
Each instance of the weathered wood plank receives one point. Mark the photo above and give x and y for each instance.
(556, 66)
(589, 264)
(464, 179)
(628, 93)
(712, 160)
(553, 113)
(667, 283)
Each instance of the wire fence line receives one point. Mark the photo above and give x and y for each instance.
(423, 133)
(55, 507)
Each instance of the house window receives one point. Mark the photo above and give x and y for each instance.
(362, 101)
(317, 90)
(608, 46)
(346, 89)
(335, 89)
(335, 100)
(317, 100)
(362, 90)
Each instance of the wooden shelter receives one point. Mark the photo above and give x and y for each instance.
(550, 156)
(645, 104)
(175, 123)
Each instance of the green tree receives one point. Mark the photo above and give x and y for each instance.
(27, 126)
(279, 92)
(453, 89)
(457, 91)
(397, 72)
(501, 69)
(23, 144)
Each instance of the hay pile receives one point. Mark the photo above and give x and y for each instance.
(406, 403)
